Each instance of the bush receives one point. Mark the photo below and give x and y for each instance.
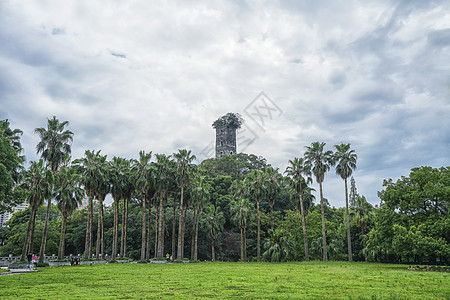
(19, 262)
(41, 265)
(60, 260)
(122, 258)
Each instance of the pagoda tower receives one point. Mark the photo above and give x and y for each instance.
(226, 127)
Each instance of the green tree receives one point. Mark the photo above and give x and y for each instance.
(184, 159)
(103, 188)
(10, 167)
(273, 188)
(142, 170)
(68, 196)
(254, 182)
(38, 181)
(241, 209)
(296, 170)
(320, 162)
(278, 246)
(200, 195)
(345, 160)
(54, 146)
(214, 224)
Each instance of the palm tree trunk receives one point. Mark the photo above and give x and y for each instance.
(183, 231)
(116, 229)
(102, 232)
(149, 216)
(349, 239)
(163, 232)
(86, 240)
(242, 244)
(305, 235)
(196, 235)
(144, 227)
(28, 243)
(258, 249)
(62, 238)
(324, 235)
(98, 248)
(174, 227)
(213, 255)
(160, 251)
(44, 234)
(125, 232)
(180, 227)
(156, 230)
(245, 244)
(193, 234)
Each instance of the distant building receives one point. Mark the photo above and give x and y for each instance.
(6, 216)
(84, 202)
(226, 127)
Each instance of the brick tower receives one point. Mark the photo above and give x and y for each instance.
(226, 127)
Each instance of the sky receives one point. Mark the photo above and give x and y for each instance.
(154, 75)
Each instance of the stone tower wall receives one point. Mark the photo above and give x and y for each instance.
(225, 141)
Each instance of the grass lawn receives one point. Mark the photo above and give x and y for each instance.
(229, 280)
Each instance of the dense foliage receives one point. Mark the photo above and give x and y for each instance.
(233, 208)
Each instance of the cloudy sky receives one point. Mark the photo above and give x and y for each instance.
(154, 75)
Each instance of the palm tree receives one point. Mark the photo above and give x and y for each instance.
(296, 170)
(184, 158)
(54, 146)
(214, 225)
(117, 177)
(278, 246)
(200, 195)
(88, 169)
(273, 179)
(363, 210)
(68, 196)
(38, 182)
(345, 160)
(254, 182)
(319, 162)
(241, 209)
(103, 188)
(162, 177)
(127, 188)
(142, 173)
(13, 135)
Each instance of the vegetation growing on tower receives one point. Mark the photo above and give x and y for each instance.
(230, 119)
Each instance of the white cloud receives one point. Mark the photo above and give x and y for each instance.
(155, 75)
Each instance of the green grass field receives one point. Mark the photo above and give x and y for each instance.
(337, 280)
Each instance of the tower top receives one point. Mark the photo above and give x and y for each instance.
(233, 120)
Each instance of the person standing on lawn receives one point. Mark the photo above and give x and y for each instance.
(29, 259)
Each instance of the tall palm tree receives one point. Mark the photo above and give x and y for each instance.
(68, 196)
(300, 174)
(255, 185)
(162, 177)
(88, 169)
(214, 225)
(200, 195)
(117, 171)
(345, 160)
(54, 146)
(241, 209)
(363, 211)
(13, 135)
(38, 182)
(319, 162)
(273, 188)
(127, 190)
(142, 174)
(103, 188)
(184, 158)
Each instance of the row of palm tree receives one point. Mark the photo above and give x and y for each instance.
(164, 180)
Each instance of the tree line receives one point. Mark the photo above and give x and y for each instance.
(240, 205)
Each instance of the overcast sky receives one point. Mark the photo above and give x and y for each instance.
(154, 75)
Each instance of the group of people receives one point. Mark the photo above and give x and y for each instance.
(32, 258)
(169, 257)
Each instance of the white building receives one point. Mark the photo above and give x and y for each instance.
(6, 216)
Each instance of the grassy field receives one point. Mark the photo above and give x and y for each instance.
(336, 280)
